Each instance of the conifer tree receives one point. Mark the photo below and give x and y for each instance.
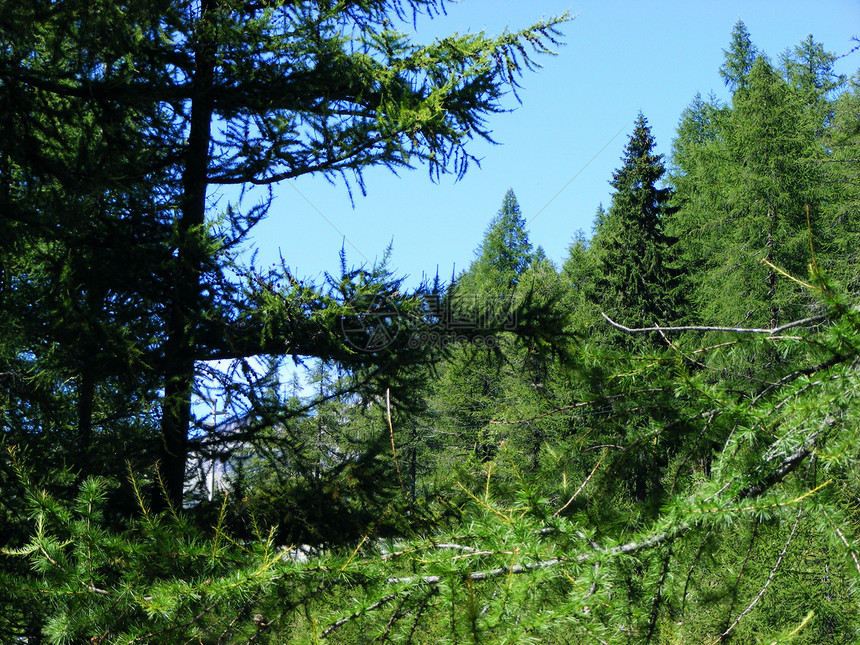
(750, 192)
(616, 499)
(474, 379)
(696, 164)
(492, 378)
(242, 94)
(771, 188)
(699, 125)
(809, 69)
(840, 161)
(87, 240)
(636, 279)
(739, 58)
(504, 253)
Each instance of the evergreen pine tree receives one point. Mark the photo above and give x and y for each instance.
(635, 277)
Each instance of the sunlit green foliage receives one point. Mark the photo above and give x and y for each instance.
(492, 461)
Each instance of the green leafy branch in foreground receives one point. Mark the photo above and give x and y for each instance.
(750, 542)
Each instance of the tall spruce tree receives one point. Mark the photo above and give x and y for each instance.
(635, 277)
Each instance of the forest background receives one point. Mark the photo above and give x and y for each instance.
(558, 147)
(653, 440)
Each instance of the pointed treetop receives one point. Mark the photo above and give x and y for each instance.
(810, 68)
(505, 252)
(640, 167)
(740, 57)
(632, 254)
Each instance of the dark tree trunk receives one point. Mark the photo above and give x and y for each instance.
(86, 401)
(190, 258)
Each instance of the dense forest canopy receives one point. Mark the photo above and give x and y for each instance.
(655, 442)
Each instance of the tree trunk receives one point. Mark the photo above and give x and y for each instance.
(190, 258)
(86, 401)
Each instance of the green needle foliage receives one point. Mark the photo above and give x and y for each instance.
(633, 256)
(750, 185)
(748, 539)
(133, 116)
(493, 462)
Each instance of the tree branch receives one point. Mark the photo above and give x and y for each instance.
(766, 583)
(785, 467)
(736, 330)
(481, 575)
(343, 621)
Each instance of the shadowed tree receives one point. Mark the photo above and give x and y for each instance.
(232, 93)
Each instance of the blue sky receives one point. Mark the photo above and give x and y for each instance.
(559, 148)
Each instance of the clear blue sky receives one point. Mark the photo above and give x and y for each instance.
(561, 145)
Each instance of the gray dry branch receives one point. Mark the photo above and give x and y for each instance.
(737, 330)
(597, 553)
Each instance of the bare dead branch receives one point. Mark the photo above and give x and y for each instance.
(766, 582)
(736, 330)
(343, 621)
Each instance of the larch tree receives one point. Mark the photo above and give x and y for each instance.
(771, 204)
(841, 163)
(739, 58)
(504, 253)
(809, 70)
(473, 382)
(685, 504)
(86, 253)
(232, 93)
(696, 162)
(749, 185)
(490, 378)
